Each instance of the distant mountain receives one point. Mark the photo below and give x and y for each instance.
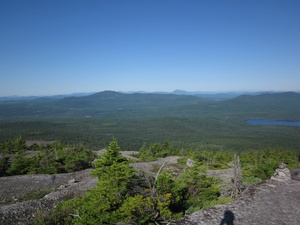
(17, 98)
(276, 106)
(182, 92)
(20, 98)
(268, 105)
(271, 100)
(203, 94)
(79, 94)
(112, 101)
(285, 106)
(216, 96)
(97, 103)
(219, 96)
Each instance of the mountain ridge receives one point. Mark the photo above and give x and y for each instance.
(105, 102)
(207, 94)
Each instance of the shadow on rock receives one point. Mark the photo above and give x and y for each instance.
(228, 218)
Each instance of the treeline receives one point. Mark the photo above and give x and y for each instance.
(16, 158)
(255, 164)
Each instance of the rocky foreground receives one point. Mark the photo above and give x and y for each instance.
(274, 201)
(13, 188)
(270, 202)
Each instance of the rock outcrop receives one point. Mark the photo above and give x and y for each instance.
(274, 201)
(270, 202)
(13, 188)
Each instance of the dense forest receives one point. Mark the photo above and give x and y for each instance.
(185, 121)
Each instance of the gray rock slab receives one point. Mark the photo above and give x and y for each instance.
(268, 203)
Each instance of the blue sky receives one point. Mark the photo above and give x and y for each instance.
(61, 47)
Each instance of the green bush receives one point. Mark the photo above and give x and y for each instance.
(35, 194)
(49, 159)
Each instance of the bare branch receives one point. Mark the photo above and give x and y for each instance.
(153, 189)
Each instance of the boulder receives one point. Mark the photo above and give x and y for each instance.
(190, 163)
(72, 181)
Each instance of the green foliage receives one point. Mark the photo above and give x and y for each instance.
(22, 165)
(191, 190)
(77, 159)
(111, 156)
(257, 165)
(137, 209)
(35, 194)
(156, 150)
(48, 159)
(219, 201)
(145, 210)
(59, 216)
(115, 198)
(201, 187)
(250, 180)
(162, 205)
(262, 164)
(100, 205)
(265, 170)
(4, 165)
(213, 157)
(178, 189)
(19, 145)
(208, 204)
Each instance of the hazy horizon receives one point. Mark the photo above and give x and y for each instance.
(63, 47)
(147, 92)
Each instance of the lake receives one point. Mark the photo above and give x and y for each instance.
(274, 122)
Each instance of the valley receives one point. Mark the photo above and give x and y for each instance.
(134, 119)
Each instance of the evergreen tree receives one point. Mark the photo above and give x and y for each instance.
(111, 156)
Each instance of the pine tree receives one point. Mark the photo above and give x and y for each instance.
(111, 156)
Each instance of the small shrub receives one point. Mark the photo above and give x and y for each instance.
(35, 194)
(155, 168)
(182, 161)
(248, 181)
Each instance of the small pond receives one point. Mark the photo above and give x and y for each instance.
(273, 122)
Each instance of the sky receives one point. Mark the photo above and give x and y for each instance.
(50, 47)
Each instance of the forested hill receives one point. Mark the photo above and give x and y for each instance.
(277, 106)
(274, 106)
(95, 104)
(274, 98)
(111, 100)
